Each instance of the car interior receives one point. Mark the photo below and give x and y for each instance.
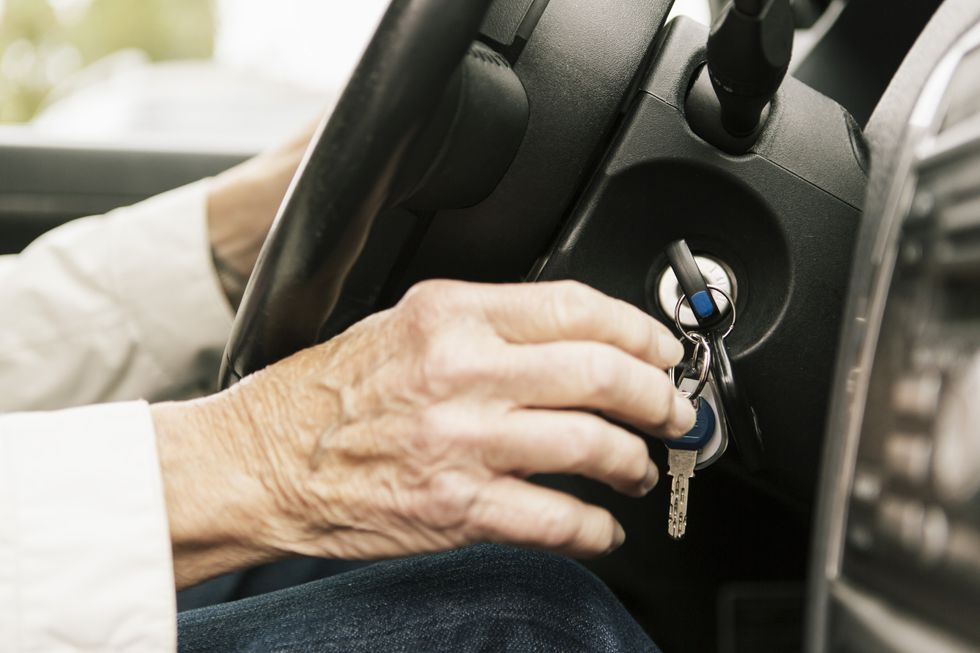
(820, 158)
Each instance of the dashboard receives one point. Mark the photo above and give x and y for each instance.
(898, 564)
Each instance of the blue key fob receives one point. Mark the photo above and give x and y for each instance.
(700, 435)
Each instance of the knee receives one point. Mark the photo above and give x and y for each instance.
(481, 598)
(519, 576)
(549, 597)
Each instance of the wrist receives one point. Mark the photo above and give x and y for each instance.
(242, 203)
(237, 225)
(214, 507)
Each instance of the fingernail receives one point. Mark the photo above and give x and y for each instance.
(672, 350)
(651, 480)
(684, 416)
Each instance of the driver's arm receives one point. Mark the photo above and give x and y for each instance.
(85, 561)
(412, 432)
(112, 308)
(129, 305)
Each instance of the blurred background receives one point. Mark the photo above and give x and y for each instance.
(211, 75)
(208, 74)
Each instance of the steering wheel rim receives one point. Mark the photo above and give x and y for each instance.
(347, 178)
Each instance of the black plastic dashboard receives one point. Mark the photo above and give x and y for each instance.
(783, 218)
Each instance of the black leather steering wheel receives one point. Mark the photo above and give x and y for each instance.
(349, 176)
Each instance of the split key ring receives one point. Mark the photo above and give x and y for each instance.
(701, 361)
(691, 336)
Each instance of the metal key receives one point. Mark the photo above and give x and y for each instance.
(681, 464)
(682, 458)
(716, 325)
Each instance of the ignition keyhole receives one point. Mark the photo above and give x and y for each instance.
(715, 273)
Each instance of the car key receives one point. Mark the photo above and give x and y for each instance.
(743, 424)
(682, 458)
(682, 453)
(718, 445)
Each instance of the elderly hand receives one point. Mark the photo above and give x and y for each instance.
(414, 431)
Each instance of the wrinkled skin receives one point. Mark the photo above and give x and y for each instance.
(415, 431)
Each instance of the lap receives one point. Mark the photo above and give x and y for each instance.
(486, 598)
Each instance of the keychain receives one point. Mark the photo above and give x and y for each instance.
(709, 359)
(715, 327)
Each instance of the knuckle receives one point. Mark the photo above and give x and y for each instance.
(448, 367)
(572, 303)
(450, 428)
(483, 520)
(576, 459)
(420, 295)
(557, 527)
(575, 288)
(449, 499)
(430, 437)
(428, 299)
(417, 313)
(588, 434)
(604, 372)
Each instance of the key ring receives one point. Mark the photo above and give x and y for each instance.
(702, 350)
(690, 335)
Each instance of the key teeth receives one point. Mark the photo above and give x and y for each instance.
(681, 465)
(677, 529)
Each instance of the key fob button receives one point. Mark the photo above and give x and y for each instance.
(701, 434)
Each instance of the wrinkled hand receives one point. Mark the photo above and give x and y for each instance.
(414, 431)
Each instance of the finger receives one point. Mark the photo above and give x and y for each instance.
(551, 312)
(512, 511)
(596, 376)
(565, 442)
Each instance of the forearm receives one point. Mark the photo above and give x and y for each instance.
(237, 470)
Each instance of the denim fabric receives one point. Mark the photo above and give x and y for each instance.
(486, 598)
(262, 580)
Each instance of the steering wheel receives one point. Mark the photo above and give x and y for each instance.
(353, 172)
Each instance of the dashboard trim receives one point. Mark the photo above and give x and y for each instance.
(859, 347)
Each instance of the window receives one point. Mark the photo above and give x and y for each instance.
(198, 74)
(210, 75)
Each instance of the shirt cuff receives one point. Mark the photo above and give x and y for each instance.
(85, 556)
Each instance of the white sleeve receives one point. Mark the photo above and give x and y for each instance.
(85, 557)
(117, 307)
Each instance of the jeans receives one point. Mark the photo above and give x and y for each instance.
(486, 598)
